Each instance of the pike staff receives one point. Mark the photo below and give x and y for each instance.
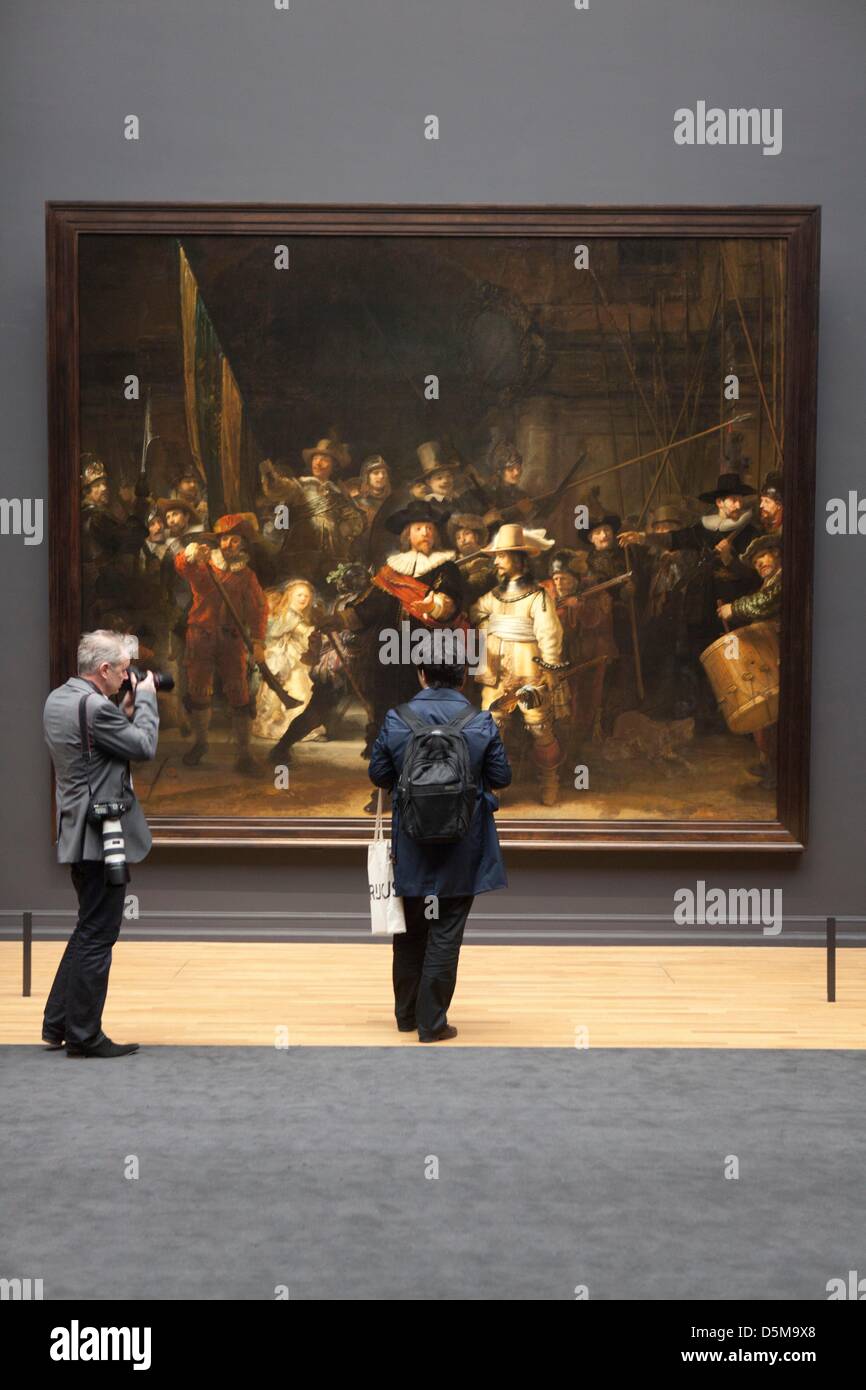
(149, 436)
(264, 669)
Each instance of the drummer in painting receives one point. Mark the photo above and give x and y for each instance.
(764, 605)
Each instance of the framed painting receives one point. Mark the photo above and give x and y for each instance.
(296, 451)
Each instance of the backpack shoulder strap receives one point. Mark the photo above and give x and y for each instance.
(465, 717)
(408, 715)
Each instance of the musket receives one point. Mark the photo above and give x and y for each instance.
(480, 487)
(581, 593)
(666, 448)
(553, 497)
(608, 584)
(611, 584)
(528, 504)
(564, 673)
(265, 671)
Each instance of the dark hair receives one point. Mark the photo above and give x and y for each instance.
(444, 674)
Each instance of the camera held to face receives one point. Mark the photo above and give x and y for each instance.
(163, 680)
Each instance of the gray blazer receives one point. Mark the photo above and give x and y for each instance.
(114, 740)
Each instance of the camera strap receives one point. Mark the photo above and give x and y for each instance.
(85, 749)
(84, 728)
(85, 736)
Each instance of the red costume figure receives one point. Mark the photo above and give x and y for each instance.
(214, 644)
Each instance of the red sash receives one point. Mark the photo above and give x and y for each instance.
(411, 593)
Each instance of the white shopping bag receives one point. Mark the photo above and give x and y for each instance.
(386, 909)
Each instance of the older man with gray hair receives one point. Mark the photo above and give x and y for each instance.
(92, 741)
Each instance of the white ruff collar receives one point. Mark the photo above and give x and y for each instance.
(414, 563)
(724, 523)
(218, 561)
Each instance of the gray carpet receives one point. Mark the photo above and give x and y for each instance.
(306, 1168)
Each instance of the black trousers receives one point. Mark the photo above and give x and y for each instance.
(425, 963)
(322, 702)
(75, 1004)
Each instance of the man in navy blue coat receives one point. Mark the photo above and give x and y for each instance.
(441, 879)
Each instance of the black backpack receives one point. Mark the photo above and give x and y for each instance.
(436, 791)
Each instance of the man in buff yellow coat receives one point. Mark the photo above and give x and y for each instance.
(523, 669)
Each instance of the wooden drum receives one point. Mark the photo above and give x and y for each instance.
(746, 686)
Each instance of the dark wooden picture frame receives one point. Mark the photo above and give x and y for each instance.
(797, 227)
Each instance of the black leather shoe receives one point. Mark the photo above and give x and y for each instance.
(442, 1036)
(52, 1044)
(106, 1048)
(407, 1027)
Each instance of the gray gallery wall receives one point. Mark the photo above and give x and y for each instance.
(539, 103)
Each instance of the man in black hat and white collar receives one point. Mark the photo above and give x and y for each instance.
(727, 530)
(419, 585)
(770, 514)
(722, 537)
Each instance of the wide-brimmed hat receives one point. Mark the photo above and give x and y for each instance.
(513, 536)
(670, 511)
(762, 545)
(597, 519)
(729, 485)
(333, 449)
(176, 504)
(435, 457)
(418, 510)
(245, 524)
